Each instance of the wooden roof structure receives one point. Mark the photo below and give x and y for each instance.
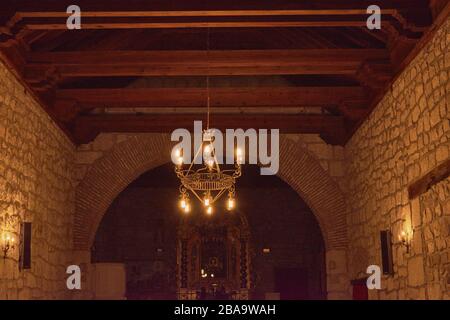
(141, 66)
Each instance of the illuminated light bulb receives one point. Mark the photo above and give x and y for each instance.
(207, 149)
(187, 208)
(239, 155)
(180, 161)
(183, 203)
(402, 236)
(212, 275)
(177, 153)
(207, 201)
(209, 210)
(230, 204)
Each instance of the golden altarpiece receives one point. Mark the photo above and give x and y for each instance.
(213, 257)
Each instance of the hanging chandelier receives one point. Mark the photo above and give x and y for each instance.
(207, 182)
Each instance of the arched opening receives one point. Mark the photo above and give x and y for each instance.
(126, 161)
(144, 229)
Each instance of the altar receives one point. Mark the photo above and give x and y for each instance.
(213, 259)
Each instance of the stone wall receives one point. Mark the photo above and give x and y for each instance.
(36, 185)
(404, 138)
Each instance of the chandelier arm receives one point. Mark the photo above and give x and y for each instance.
(202, 170)
(195, 157)
(182, 173)
(195, 194)
(232, 173)
(218, 195)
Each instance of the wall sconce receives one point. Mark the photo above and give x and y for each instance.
(405, 238)
(8, 242)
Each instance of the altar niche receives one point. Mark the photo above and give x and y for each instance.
(213, 257)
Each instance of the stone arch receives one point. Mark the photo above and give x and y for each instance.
(109, 175)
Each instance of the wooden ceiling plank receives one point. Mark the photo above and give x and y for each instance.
(176, 25)
(203, 13)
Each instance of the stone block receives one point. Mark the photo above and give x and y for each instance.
(336, 262)
(417, 242)
(416, 275)
(103, 142)
(442, 153)
(415, 213)
(87, 157)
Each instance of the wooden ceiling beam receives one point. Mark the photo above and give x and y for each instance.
(210, 19)
(195, 97)
(203, 21)
(87, 127)
(282, 57)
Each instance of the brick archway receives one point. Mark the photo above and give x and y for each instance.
(112, 173)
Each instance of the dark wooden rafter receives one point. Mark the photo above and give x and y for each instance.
(227, 96)
(89, 126)
(208, 19)
(437, 6)
(434, 176)
(71, 102)
(311, 39)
